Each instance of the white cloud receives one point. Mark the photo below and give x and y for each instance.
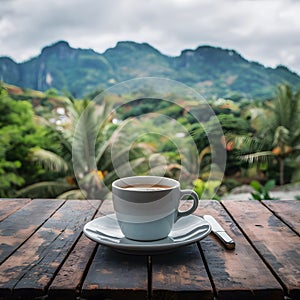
(261, 30)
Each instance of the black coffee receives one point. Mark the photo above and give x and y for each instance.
(146, 187)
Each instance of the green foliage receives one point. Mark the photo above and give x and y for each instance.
(229, 184)
(142, 106)
(18, 135)
(262, 192)
(277, 136)
(206, 189)
(259, 136)
(51, 92)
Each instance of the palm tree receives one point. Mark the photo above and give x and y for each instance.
(278, 131)
(83, 163)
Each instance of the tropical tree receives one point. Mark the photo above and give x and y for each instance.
(83, 162)
(277, 131)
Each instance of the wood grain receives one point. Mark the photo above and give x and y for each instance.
(29, 271)
(9, 206)
(19, 226)
(181, 275)
(68, 280)
(275, 242)
(239, 273)
(286, 210)
(44, 254)
(113, 275)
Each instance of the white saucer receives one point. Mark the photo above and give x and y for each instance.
(106, 231)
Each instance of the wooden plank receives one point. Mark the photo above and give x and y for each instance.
(67, 282)
(9, 206)
(239, 273)
(286, 210)
(28, 272)
(181, 275)
(19, 226)
(114, 275)
(276, 243)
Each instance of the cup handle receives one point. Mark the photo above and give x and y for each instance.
(192, 208)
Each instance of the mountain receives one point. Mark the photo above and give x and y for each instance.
(213, 71)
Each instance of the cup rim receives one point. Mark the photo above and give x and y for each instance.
(117, 184)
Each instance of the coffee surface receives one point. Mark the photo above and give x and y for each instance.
(146, 187)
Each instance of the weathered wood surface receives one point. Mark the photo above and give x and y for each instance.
(43, 253)
(181, 275)
(239, 273)
(288, 212)
(114, 275)
(9, 206)
(67, 282)
(17, 227)
(30, 269)
(276, 243)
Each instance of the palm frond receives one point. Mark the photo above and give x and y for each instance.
(72, 194)
(205, 151)
(73, 111)
(247, 142)
(257, 157)
(49, 160)
(118, 143)
(83, 146)
(281, 136)
(118, 157)
(297, 147)
(63, 136)
(44, 189)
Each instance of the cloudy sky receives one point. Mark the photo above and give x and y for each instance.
(267, 31)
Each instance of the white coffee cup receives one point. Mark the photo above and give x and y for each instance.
(147, 206)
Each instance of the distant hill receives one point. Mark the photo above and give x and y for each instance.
(215, 72)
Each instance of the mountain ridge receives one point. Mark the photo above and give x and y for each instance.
(213, 71)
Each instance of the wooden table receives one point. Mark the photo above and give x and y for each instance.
(43, 254)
